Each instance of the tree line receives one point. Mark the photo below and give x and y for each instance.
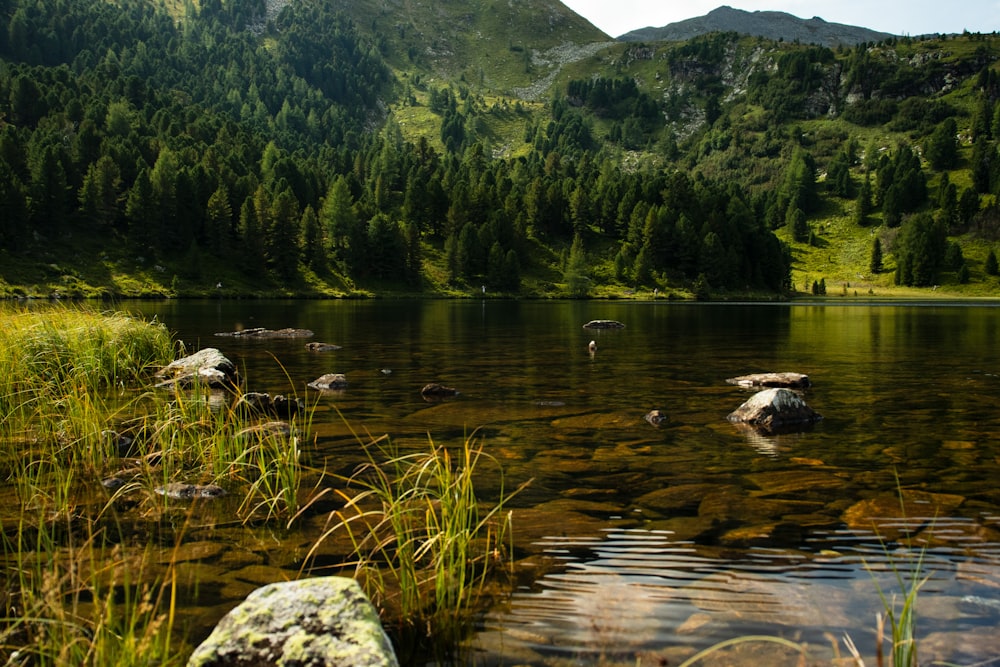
(222, 138)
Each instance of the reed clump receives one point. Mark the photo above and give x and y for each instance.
(425, 545)
(81, 585)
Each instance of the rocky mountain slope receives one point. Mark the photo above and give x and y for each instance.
(772, 25)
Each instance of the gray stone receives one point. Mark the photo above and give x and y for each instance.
(207, 367)
(603, 324)
(655, 417)
(321, 622)
(329, 381)
(775, 410)
(790, 380)
(265, 404)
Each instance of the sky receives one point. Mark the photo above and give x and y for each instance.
(899, 17)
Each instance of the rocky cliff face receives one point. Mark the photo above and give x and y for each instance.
(772, 25)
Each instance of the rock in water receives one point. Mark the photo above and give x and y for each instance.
(603, 324)
(655, 417)
(435, 390)
(207, 367)
(329, 381)
(322, 347)
(775, 409)
(791, 380)
(183, 491)
(323, 622)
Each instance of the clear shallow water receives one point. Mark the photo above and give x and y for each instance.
(634, 540)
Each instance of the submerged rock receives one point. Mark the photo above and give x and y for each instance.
(790, 380)
(184, 491)
(604, 324)
(775, 409)
(325, 621)
(976, 605)
(207, 367)
(329, 381)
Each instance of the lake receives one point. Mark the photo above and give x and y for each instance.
(636, 541)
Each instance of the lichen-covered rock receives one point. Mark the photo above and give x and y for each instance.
(329, 381)
(321, 622)
(207, 367)
(775, 409)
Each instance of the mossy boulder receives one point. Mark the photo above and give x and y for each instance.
(323, 622)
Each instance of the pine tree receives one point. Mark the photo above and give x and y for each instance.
(991, 267)
(875, 265)
(313, 246)
(343, 230)
(281, 237)
(941, 148)
(219, 221)
(575, 273)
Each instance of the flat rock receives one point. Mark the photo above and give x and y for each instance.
(261, 332)
(794, 483)
(788, 380)
(323, 622)
(604, 324)
(893, 517)
(673, 499)
(776, 409)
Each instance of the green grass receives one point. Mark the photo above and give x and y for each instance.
(77, 587)
(425, 545)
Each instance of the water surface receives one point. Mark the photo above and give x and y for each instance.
(641, 541)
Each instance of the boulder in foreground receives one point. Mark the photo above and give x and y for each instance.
(321, 622)
(777, 409)
(789, 380)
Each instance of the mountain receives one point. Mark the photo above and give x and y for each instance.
(488, 43)
(402, 146)
(772, 25)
